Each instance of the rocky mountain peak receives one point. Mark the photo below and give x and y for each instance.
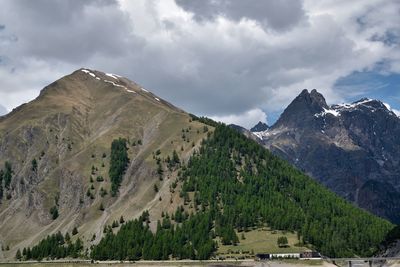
(303, 108)
(260, 127)
(352, 148)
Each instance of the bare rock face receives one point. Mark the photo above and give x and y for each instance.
(59, 144)
(353, 149)
(260, 127)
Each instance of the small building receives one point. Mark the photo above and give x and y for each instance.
(302, 255)
(310, 255)
(285, 256)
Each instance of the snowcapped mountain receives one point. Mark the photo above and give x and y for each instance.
(353, 149)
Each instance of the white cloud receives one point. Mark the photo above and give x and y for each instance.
(247, 119)
(3, 110)
(230, 61)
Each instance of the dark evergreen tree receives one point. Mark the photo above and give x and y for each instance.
(34, 165)
(1, 184)
(118, 162)
(18, 255)
(54, 212)
(7, 174)
(67, 238)
(74, 231)
(282, 241)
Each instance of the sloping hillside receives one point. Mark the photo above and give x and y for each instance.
(58, 147)
(233, 183)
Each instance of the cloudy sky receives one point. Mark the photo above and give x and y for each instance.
(233, 60)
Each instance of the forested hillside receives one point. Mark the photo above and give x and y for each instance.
(234, 183)
(244, 185)
(237, 184)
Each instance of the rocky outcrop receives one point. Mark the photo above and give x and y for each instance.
(353, 149)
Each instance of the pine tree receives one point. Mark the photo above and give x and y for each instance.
(118, 162)
(18, 255)
(282, 241)
(74, 231)
(54, 212)
(34, 165)
(67, 237)
(7, 174)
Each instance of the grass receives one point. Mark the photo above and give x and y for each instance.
(261, 241)
(302, 262)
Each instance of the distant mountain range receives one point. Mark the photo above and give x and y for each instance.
(353, 149)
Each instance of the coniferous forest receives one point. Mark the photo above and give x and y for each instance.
(118, 162)
(54, 246)
(244, 185)
(238, 185)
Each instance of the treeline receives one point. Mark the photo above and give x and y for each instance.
(193, 239)
(118, 162)
(204, 120)
(244, 185)
(54, 246)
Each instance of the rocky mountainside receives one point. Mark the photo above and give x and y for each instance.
(55, 158)
(260, 127)
(353, 149)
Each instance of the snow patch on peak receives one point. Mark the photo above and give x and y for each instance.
(363, 101)
(397, 112)
(90, 73)
(112, 76)
(261, 135)
(113, 83)
(156, 98)
(331, 111)
(387, 106)
(394, 111)
(144, 90)
(354, 104)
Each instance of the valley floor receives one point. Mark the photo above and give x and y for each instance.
(244, 263)
(210, 263)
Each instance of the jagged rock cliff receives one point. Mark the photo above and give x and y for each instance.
(353, 149)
